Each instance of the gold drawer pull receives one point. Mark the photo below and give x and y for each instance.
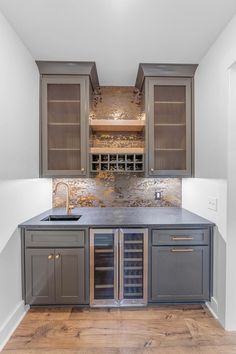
(57, 256)
(50, 256)
(181, 238)
(182, 250)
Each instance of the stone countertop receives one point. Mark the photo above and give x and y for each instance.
(119, 217)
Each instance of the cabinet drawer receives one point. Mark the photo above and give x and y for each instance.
(34, 238)
(180, 273)
(180, 237)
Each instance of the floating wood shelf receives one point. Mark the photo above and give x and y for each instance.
(117, 125)
(108, 150)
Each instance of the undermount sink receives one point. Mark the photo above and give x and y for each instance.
(62, 218)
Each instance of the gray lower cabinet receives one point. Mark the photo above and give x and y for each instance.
(55, 276)
(180, 272)
(56, 272)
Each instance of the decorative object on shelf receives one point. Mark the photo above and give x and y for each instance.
(137, 97)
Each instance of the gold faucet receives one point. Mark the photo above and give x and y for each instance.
(68, 206)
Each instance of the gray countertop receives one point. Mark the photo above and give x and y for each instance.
(113, 217)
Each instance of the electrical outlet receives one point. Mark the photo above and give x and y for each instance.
(212, 203)
(158, 195)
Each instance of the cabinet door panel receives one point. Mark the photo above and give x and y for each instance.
(64, 127)
(39, 268)
(69, 274)
(180, 273)
(169, 123)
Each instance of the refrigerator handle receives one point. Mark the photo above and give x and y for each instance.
(121, 265)
(116, 267)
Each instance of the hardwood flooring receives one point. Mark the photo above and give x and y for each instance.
(171, 329)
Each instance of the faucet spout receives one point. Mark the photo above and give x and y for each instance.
(68, 207)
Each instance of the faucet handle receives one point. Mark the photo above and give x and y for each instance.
(70, 207)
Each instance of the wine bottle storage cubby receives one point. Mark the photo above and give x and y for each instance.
(117, 162)
(133, 265)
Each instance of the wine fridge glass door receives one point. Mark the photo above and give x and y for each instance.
(104, 267)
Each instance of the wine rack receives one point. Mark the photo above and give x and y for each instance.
(133, 266)
(117, 162)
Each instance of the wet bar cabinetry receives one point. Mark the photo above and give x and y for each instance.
(168, 105)
(66, 94)
(55, 263)
(180, 265)
(117, 266)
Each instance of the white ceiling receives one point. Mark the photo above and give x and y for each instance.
(118, 34)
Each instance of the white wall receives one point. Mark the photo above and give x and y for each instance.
(231, 204)
(22, 194)
(19, 97)
(195, 193)
(215, 164)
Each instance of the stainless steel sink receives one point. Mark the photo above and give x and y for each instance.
(62, 218)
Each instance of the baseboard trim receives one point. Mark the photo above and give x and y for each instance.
(213, 307)
(11, 323)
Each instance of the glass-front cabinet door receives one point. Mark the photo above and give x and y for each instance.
(63, 125)
(103, 267)
(169, 133)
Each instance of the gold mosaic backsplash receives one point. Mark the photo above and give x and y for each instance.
(117, 190)
(117, 102)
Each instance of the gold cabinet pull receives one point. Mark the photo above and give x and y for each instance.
(152, 169)
(57, 256)
(50, 256)
(182, 250)
(181, 238)
(82, 169)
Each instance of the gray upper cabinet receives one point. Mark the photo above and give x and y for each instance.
(168, 106)
(66, 95)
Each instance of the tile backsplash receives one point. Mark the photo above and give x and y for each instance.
(119, 190)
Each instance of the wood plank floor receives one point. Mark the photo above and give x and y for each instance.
(162, 330)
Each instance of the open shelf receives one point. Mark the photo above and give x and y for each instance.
(117, 125)
(108, 150)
